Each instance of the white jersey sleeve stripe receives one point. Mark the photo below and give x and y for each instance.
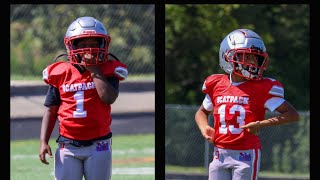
(207, 103)
(121, 72)
(273, 103)
(45, 73)
(277, 91)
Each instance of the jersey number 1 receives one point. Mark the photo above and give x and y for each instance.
(79, 97)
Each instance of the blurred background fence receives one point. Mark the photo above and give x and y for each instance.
(285, 148)
(37, 32)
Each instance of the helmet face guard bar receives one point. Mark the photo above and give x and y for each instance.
(249, 71)
(88, 56)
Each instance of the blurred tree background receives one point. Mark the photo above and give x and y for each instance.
(37, 32)
(193, 34)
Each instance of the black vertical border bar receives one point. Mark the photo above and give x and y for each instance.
(159, 91)
(5, 93)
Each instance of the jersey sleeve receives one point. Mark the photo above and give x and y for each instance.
(275, 95)
(207, 103)
(277, 89)
(114, 68)
(209, 84)
(207, 89)
(273, 103)
(52, 74)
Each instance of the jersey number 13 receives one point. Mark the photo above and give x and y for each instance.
(240, 119)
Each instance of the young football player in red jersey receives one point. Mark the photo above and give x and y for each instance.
(80, 93)
(238, 101)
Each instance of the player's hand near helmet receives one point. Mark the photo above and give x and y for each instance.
(44, 149)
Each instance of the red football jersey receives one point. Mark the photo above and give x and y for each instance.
(235, 106)
(82, 115)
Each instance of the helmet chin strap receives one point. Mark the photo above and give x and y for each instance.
(230, 78)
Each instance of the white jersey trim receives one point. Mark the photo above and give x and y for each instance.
(207, 103)
(45, 74)
(277, 91)
(121, 72)
(273, 103)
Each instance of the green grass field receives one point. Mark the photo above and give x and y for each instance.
(133, 159)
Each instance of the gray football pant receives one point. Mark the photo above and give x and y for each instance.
(234, 164)
(93, 162)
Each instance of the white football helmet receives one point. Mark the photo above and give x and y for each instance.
(85, 27)
(233, 49)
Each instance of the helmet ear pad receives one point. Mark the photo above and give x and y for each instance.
(225, 64)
